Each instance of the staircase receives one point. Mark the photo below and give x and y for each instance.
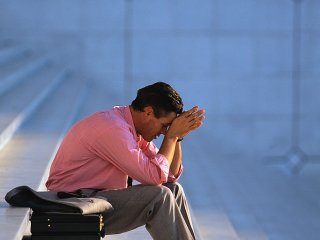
(40, 98)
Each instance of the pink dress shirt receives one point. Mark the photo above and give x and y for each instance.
(100, 152)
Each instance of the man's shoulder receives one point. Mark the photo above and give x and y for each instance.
(115, 117)
(108, 121)
(113, 120)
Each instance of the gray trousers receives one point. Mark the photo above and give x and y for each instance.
(163, 209)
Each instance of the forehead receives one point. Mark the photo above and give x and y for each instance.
(167, 119)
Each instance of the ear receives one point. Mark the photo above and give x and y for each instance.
(148, 111)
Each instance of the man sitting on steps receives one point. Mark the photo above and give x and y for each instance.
(102, 150)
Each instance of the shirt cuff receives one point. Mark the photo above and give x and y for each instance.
(163, 164)
(172, 178)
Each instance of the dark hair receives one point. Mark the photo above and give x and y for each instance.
(161, 97)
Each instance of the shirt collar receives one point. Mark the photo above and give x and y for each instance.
(129, 120)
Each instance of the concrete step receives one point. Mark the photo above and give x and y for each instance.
(25, 159)
(19, 70)
(209, 214)
(19, 103)
(136, 234)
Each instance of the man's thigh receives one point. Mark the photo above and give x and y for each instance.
(132, 206)
(135, 195)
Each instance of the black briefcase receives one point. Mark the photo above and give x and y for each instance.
(66, 226)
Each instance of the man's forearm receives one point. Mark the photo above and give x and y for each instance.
(168, 148)
(181, 126)
(177, 159)
(172, 150)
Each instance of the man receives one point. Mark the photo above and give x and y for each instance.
(102, 150)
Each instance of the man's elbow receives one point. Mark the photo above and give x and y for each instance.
(156, 180)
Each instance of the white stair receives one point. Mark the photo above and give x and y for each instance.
(39, 100)
(15, 72)
(17, 105)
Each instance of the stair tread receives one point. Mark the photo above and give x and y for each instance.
(25, 158)
(19, 103)
(14, 102)
(13, 73)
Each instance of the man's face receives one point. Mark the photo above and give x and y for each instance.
(154, 127)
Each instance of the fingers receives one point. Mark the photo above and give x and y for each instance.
(187, 122)
(193, 118)
(197, 115)
(194, 114)
(190, 111)
(197, 122)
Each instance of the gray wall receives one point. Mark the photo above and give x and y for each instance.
(233, 58)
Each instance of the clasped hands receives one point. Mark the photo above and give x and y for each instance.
(186, 122)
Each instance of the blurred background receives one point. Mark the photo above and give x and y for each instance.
(252, 171)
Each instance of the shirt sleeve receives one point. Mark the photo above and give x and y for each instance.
(150, 149)
(118, 146)
(172, 178)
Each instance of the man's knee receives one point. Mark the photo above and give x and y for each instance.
(163, 199)
(166, 192)
(158, 193)
(176, 188)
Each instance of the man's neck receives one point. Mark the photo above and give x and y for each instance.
(136, 119)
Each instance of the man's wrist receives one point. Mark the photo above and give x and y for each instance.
(171, 138)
